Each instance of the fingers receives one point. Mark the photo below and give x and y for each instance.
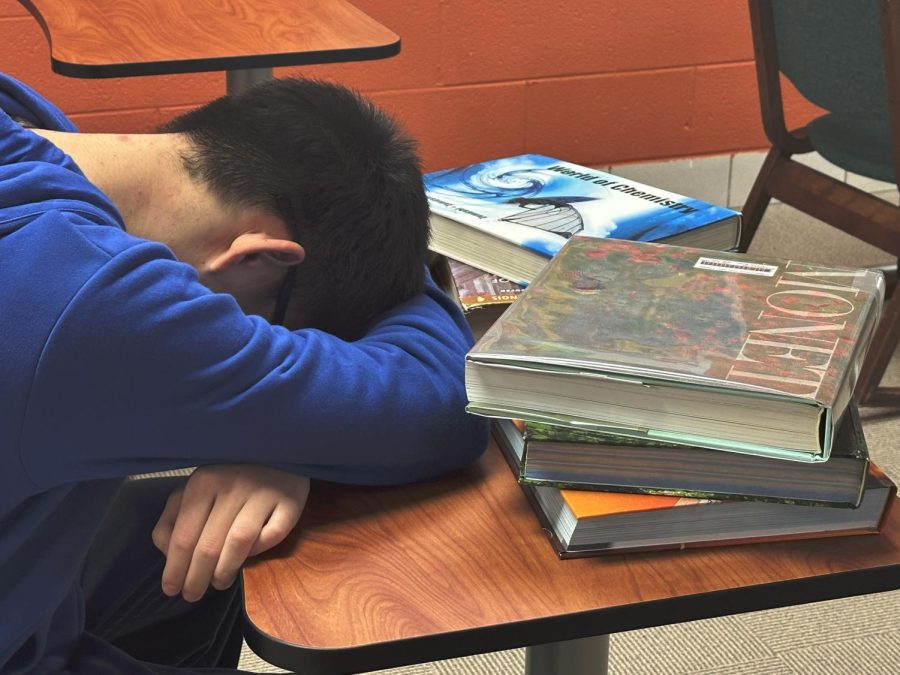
(283, 518)
(263, 523)
(277, 527)
(190, 523)
(162, 533)
(230, 531)
(241, 540)
(224, 515)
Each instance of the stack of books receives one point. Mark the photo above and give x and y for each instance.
(655, 396)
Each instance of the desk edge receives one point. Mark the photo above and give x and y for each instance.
(666, 611)
(225, 63)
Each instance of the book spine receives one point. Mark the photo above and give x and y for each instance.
(525, 479)
(584, 552)
(860, 349)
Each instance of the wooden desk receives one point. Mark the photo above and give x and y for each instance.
(247, 38)
(382, 577)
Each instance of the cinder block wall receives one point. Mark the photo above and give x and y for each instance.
(600, 82)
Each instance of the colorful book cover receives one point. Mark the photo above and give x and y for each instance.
(588, 504)
(477, 288)
(554, 433)
(539, 202)
(702, 321)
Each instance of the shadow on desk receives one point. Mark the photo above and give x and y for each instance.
(348, 517)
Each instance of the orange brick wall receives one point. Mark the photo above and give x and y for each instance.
(595, 82)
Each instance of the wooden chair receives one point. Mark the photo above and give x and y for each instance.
(843, 56)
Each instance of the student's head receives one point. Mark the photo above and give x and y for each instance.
(321, 168)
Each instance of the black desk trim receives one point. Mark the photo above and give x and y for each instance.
(311, 661)
(224, 63)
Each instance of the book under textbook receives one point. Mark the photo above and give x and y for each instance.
(476, 288)
(585, 460)
(509, 216)
(681, 345)
(482, 296)
(588, 522)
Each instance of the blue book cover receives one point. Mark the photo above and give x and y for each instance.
(538, 202)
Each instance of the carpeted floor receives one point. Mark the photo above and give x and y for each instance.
(857, 636)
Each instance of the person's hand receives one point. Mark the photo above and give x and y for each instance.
(223, 515)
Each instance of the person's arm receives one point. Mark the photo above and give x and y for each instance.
(147, 370)
(222, 515)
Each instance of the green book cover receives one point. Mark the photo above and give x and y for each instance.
(565, 458)
(555, 433)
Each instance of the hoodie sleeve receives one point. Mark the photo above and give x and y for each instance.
(147, 370)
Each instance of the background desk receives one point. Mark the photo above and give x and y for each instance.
(381, 577)
(246, 38)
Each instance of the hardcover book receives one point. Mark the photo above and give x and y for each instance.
(681, 345)
(483, 296)
(586, 460)
(476, 288)
(509, 216)
(586, 522)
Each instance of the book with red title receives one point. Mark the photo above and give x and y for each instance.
(681, 345)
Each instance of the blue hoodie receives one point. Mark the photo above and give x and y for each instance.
(115, 360)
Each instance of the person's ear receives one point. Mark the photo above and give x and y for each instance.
(257, 248)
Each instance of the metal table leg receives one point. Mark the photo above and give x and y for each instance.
(237, 81)
(587, 656)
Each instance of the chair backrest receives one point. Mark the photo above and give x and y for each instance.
(831, 52)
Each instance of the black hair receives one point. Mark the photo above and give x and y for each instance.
(341, 174)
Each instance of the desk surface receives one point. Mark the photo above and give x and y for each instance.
(381, 577)
(113, 38)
